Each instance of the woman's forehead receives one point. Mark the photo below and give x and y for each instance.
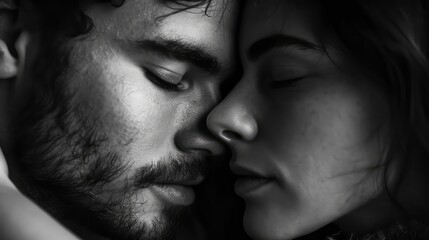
(264, 18)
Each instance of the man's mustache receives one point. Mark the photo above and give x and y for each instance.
(181, 169)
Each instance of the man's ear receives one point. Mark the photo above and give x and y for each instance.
(9, 63)
(8, 14)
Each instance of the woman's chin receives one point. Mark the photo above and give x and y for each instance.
(262, 226)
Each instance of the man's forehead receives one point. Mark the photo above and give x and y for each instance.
(131, 16)
(139, 20)
(137, 15)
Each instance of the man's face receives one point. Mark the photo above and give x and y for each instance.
(122, 133)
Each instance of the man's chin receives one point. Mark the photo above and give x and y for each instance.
(158, 225)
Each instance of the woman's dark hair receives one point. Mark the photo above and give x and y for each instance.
(391, 39)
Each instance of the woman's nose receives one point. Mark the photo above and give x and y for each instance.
(232, 121)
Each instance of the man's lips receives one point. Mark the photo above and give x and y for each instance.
(174, 194)
(172, 180)
(186, 181)
(177, 191)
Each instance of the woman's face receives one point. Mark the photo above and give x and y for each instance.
(307, 126)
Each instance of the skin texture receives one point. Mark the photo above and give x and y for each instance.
(99, 141)
(307, 128)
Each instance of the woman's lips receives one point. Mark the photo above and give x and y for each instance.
(246, 185)
(249, 179)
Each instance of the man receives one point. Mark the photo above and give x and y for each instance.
(108, 122)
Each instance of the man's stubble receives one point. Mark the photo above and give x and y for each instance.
(70, 167)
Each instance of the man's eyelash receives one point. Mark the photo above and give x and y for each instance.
(159, 81)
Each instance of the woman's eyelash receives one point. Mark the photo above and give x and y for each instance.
(159, 81)
(286, 83)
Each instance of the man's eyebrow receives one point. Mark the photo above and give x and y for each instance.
(264, 45)
(180, 50)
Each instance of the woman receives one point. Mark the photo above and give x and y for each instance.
(329, 121)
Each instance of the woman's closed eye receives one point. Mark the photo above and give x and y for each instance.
(286, 77)
(289, 82)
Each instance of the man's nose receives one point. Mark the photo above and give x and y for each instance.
(196, 137)
(231, 121)
(199, 142)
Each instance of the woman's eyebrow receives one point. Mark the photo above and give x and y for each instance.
(266, 44)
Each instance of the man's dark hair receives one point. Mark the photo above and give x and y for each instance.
(68, 16)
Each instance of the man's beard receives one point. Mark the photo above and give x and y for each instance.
(68, 166)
